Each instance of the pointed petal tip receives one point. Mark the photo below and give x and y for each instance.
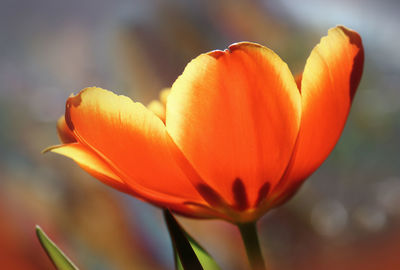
(355, 40)
(49, 149)
(354, 36)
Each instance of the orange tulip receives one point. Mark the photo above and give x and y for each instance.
(237, 137)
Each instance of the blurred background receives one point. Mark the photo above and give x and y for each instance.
(346, 216)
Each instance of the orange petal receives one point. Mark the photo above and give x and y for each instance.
(329, 82)
(235, 115)
(64, 133)
(91, 163)
(98, 168)
(132, 140)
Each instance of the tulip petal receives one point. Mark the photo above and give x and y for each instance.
(64, 133)
(90, 162)
(235, 116)
(328, 84)
(132, 141)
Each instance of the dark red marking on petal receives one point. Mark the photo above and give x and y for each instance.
(74, 100)
(262, 193)
(240, 195)
(68, 120)
(298, 79)
(210, 195)
(358, 62)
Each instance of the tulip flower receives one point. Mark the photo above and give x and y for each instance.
(237, 136)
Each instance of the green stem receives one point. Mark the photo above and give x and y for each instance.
(252, 245)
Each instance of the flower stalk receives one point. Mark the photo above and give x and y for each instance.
(249, 235)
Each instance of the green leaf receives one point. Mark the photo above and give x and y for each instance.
(204, 257)
(188, 254)
(59, 259)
